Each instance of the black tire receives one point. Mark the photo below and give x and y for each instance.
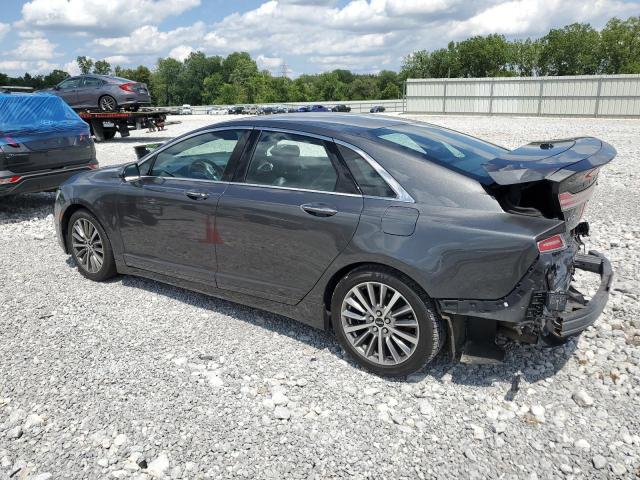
(552, 340)
(107, 103)
(107, 269)
(109, 133)
(431, 330)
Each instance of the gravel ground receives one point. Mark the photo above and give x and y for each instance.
(136, 379)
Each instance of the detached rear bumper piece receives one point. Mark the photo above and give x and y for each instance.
(584, 313)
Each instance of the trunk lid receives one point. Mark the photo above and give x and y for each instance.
(555, 178)
(31, 155)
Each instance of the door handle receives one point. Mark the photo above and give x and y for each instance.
(197, 195)
(319, 209)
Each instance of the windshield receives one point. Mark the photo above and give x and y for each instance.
(453, 150)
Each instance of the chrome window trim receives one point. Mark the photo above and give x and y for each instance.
(401, 194)
(308, 190)
(300, 133)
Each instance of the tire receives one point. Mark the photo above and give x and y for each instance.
(107, 103)
(417, 319)
(81, 226)
(109, 133)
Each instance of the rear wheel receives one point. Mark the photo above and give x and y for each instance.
(107, 103)
(90, 247)
(385, 321)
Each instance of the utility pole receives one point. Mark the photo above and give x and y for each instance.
(284, 69)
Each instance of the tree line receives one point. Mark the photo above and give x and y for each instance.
(576, 49)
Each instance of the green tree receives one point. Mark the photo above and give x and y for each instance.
(485, 56)
(571, 50)
(525, 57)
(196, 68)
(164, 82)
(84, 64)
(55, 77)
(102, 67)
(139, 74)
(620, 46)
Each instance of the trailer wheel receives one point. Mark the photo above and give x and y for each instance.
(109, 133)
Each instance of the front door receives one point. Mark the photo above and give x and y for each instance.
(281, 227)
(68, 90)
(167, 218)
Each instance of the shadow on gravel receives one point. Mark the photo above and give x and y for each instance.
(29, 206)
(532, 363)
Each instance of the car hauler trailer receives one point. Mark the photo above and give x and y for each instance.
(105, 125)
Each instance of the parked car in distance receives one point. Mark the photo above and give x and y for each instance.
(283, 109)
(236, 110)
(216, 111)
(399, 235)
(318, 108)
(377, 109)
(266, 110)
(303, 108)
(102, 92)
(251, 110)
(43, 142)
(186, 109)
(341, 108)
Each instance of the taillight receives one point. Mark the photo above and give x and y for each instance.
(11, 142)
(7, 180)
(551, 244)
(571, 200)
(93, 166)
(127, 87)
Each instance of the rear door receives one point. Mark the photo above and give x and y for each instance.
(88, 92)
(292, 210)
(167, 218)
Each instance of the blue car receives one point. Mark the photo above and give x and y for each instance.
(313, 108)
(43, 142)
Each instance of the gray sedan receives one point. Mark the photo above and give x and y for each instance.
(400, 236)
(102, 92)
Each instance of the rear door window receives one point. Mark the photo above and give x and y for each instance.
(369, 181)
(293, 161)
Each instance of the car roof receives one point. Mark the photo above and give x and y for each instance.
(335, 125)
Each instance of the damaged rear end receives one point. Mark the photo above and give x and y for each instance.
(553, 179)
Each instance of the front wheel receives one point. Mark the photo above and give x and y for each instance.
(385, 321)
(90, 247)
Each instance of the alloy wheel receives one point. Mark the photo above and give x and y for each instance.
(87, 245)
(380, 323)
(108, 104)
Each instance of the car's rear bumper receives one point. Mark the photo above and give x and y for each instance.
(41, 181)
(544, 302)
(585, 313)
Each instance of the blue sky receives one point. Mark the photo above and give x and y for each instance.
(308, 35)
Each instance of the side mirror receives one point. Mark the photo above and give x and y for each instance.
(130, 173)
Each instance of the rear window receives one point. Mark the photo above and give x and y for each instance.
(453, 150)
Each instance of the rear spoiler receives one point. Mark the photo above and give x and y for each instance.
(553, 160)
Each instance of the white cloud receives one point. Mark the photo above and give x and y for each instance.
(181, 52)
(269, 63)
(71, 68)
(148, 40)
(118, 59)
(4, 29)
(112, 15)
(34, 49)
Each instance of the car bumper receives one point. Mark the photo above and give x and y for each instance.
(544, 302)
(41, 181)
(584, 313)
